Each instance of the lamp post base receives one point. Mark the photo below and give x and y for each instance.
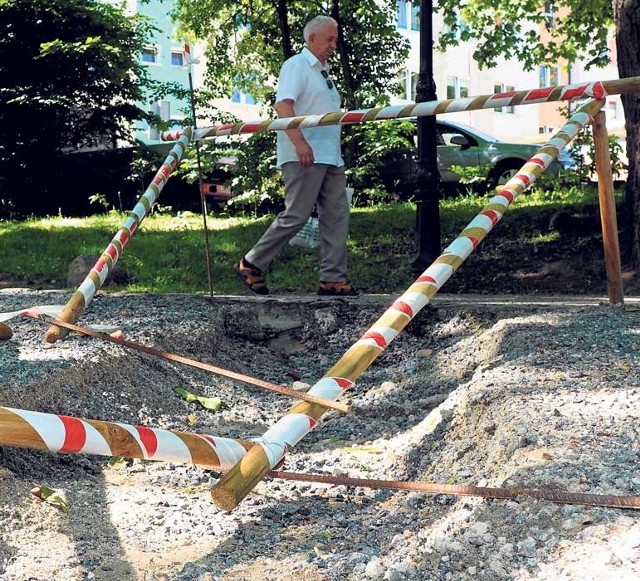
(428, 246)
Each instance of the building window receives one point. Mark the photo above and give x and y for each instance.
(162, 109)
(457, 88)
(549, 15)
(612, 110)
(407, 10)
(403, 91)
(459, 27)
(549, 77)
(546, 129)
(401, 14)
(150, 55)
(502, 88)
(407, 85)
(415, 17)
(242, 98)
(177, 58)
(413, 87)
(238, 95)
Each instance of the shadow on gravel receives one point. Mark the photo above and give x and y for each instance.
(96, 547)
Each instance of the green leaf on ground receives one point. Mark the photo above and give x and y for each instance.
(55, 497)
(367, 449)
(210, 403)
(117, 463)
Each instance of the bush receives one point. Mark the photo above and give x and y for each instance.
(66, 184)
(256, 178)
(368, 150)
(380, 157)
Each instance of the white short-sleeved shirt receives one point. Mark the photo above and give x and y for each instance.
(301, 81)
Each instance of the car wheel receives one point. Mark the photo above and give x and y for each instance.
(503, 172)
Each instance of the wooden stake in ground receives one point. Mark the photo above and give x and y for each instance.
(608, 217)
(6, 332)
(303, 417)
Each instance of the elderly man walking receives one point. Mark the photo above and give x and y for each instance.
(312, 167)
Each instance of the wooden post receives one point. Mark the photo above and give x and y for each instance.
(5, 332)
(608, 210)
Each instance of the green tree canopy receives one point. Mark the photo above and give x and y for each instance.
(578, 29)
(248, 41)
(69, 78)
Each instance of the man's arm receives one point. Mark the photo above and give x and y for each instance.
(304, 152)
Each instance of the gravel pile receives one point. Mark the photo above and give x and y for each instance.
(491, 393)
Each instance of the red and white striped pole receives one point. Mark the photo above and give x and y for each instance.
(303, 417)
(66, 434)
(596, 90)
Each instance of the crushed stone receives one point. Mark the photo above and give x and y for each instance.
(536, 395)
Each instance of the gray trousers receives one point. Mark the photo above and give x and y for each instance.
(319, 185)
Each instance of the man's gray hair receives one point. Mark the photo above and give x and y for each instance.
(316, 25)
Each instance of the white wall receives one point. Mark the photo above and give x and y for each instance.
(458, 62)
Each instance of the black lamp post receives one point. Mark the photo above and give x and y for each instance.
(428, 246)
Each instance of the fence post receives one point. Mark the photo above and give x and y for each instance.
(607, 210)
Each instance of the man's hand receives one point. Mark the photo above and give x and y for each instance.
(304, 153)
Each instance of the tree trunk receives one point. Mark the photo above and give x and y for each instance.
(627, 15)
(283, 18)
(348, 88)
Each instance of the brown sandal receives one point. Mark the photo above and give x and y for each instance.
(252, 277)
(337, 289)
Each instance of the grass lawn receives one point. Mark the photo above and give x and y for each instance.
(523, 254)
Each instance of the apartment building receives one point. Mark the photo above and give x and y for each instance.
(613, 107)
(456, 75)
(165, 60)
